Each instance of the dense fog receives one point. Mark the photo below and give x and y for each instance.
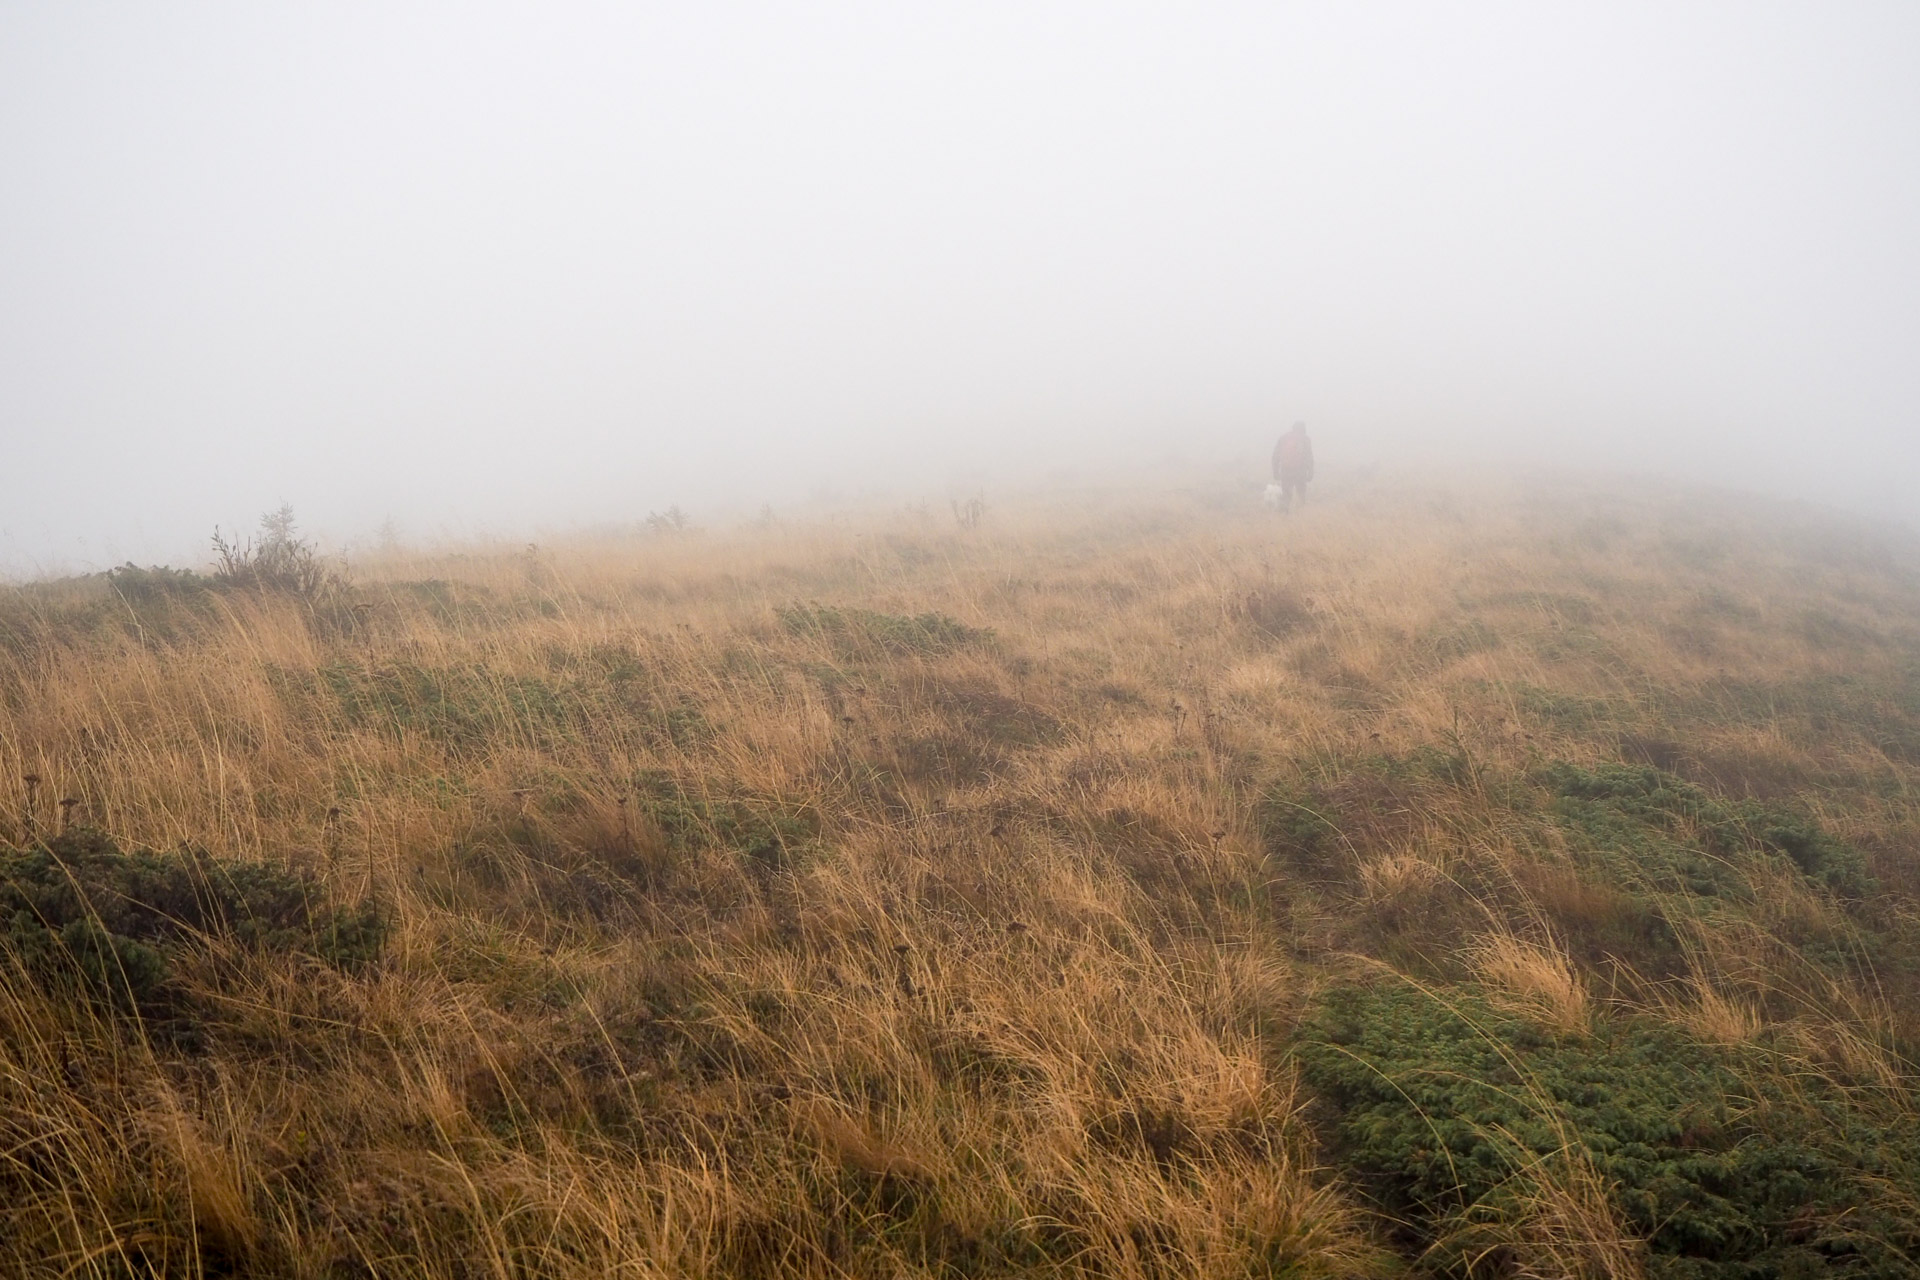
(494, 267)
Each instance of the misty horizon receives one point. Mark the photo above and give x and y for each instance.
(496, 269)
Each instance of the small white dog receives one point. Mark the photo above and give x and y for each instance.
(1275, 497)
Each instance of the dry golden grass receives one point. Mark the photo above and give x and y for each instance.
(1564, 1226)
(1396, 875)
(1536, 978)
(1714, 1016)
(1008, 987)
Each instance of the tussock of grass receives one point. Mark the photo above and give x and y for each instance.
(1392, 877)
(1714, 1016)
(1485, 883)
(1533, 978)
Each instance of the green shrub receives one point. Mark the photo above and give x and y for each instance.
(1689, 841)
(1567, 712)
(766, 835)
(79, 911)
(463, 706)
(157, 583)
(1448, 1110)
(864, 633)
(469, 707)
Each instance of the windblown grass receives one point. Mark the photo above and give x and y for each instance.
(883, 896)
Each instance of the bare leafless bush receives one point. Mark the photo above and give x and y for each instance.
(276, 560)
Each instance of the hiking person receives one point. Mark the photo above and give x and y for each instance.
(1293, 465)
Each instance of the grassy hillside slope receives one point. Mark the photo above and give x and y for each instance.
(1499, 882)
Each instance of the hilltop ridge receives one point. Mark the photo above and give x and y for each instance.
(1498, 880)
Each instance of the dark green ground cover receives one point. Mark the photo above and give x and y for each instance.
(84, 915)
(1730, 1163)
(1677, 838)
(1452, 1111)
(866, 633)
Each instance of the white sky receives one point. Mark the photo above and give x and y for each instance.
(481, 265)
